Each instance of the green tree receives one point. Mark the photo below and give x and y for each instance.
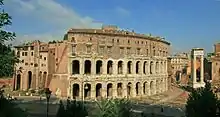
(114, 108)
(8, 108)
(202, 102)
(8, 59)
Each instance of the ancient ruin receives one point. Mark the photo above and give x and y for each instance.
(93, 63)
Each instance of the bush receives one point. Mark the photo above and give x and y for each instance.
(73, 109)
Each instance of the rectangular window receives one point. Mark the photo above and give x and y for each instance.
(121, 50)
(101, 50)
(32, 53)
(45, 58)
(147, 52)
(88, 49)
(32, 47)
(128, 50)
(22, 53)
(138, 51)
(26, 53)
(109, 49)
(73, 49)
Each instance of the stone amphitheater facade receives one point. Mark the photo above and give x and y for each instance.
(106, 62)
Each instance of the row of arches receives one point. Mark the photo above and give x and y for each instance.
(29, 80)
(121, 67)
(118, 90)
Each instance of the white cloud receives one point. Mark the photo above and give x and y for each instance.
(53, 13)
(122, 11)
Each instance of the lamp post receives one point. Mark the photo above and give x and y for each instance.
(47, 93)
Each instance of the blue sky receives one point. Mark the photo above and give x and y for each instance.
(184, 23)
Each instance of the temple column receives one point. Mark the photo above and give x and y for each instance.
(194, 69)
(202, 70)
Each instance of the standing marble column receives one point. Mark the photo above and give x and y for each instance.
(202, 69)
(194, 69)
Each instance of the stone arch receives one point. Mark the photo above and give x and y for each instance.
(110, 67)
(29, 79)
(109, 90)
(151, 67)
(161, 67)
(129, 89)
(145, 67)
(164, 66)
(145, 87)
(87, 67)
(99, 68)
(120, 67)
(44, 79)
(129, 67)
(87, 90)
(138, 88)
(98, 90)
(75, 67)
(152, 87)
(157, 67)
(18, 82)
(157, 86)
(40, 79)
(138, 67)
(75, 91)
(119, 90)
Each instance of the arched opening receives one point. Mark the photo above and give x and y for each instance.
(110, 67)
(151, 87)
(145, 67)
(151, 67)
(87, 90)
(145, 88)
(40, 80)
(138, 87)
(87, 67)
(75, 67)
(29, 79)
(109, 90)
(120, 67)
(129, 66)
(129, 86)
(157, 67)
(119, 89)
(75, 91)
(138, 67)
(18, 85)
(44, 79)
(157, 86)
(161, 67)
(98, 67)
(98, 90)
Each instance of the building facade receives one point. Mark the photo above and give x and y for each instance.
(93, 63)
(178, 66)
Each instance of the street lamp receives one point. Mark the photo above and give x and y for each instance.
(47, 93)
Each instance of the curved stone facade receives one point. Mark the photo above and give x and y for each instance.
(107, 64)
